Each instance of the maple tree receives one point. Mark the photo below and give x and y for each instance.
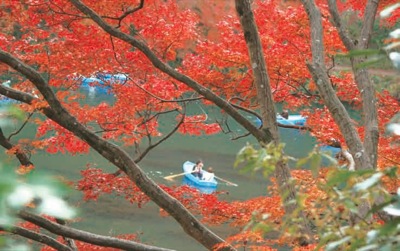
(174, 53)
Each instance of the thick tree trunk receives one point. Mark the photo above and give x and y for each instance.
(366, 86)
(361, 76)
(267, 106)
(318, 70)
(361, 152)
(369, 114)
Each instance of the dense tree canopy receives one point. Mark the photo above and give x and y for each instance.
(172, 53)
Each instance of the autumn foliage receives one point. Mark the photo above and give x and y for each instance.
(202, 39)
(184, 37)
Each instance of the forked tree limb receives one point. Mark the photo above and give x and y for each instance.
(338, 23)
(268, 114)
(38, 237)
(339, 113)
(318, 71)
(154, 145)
(116, 155)
(361, 75)
(95, 239)
(21, 156)
(164, 67)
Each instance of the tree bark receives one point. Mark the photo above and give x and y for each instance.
(165, 68)
(362, 79)
(21, 156)
(268, 112)
(38, 237)
(109, 151)
(99, 240)
(319, 73)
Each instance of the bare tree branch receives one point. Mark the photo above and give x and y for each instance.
(168, 135)
(70, 242)
(260, 72)
(126, 13)
(208, 94)
(99, 240)
(342, 119)
(152, 146)
(21, 156)
(366, 86)
(39, 237)
(268, 112)
(368, 23)
(319, 73)
(244, 108)
(363, 81)
(337, 22)
(17, 95)
(22, 127)
(165, 100)
(113, 153)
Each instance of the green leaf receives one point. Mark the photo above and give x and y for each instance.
(341, 175)
(301, 162)
(364, 185)
(386, 12)
(265, 228)
(336, 244)
(376, 208)
(392, 210)
(369, 247)
(328, 156)
(371, 235)
(16, 112)
(389, 227)
(315, 163)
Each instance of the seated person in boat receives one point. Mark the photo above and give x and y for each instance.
(285, 114)
(334, 143)
(198, 169)
(209, 175)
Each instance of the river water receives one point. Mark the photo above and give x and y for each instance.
(113, 215)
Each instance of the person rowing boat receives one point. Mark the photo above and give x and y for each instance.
(209, 175)
(197, 170)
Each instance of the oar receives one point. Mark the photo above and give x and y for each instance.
(226, 181)
(175, 175)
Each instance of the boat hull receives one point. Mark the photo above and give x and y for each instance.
(297, 120)
(98, 83)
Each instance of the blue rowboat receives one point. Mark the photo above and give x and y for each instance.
(292, 120)
(7, 101)
(203, 186)
(98, 83)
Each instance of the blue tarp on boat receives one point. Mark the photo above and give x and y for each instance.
(100, 82)
(292, 120)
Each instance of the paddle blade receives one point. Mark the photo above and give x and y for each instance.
(170, 177)
(227, 182)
